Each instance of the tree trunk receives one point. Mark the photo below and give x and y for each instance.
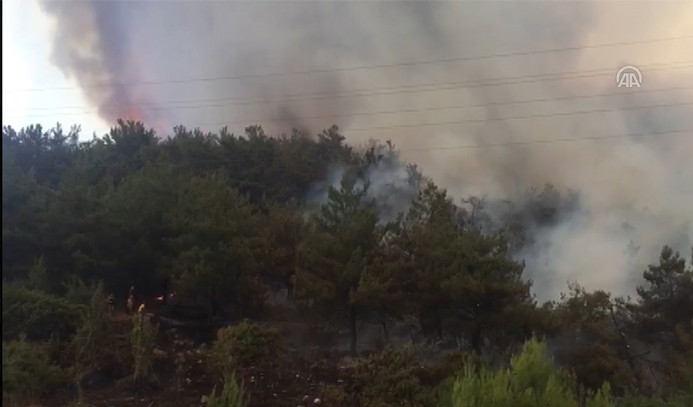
(352, 327)
(290, 289)
(215, 308)
(626, 350)
(476, 340)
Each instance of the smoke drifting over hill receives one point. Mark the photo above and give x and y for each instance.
(634, 192)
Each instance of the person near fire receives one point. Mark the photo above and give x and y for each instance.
(131, 300)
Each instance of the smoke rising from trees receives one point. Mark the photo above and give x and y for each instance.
(635, 193)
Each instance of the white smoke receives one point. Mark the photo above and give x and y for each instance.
(391, 184)
(634, 191)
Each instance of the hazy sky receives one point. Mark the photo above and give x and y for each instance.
(489, 98)
(26, 49)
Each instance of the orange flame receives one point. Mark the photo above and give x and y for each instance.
(132, 113)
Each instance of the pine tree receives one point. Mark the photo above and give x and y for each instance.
(337, 252)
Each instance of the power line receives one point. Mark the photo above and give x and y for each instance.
(355, 68)
(437, 108)
(392, 90)
(471, 146)
(493, 119)
(407, 90)
(434, 124)
(550, 141)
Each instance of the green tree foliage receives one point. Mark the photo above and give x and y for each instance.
(530, 381)
(95, 332)
(223, 219)
(125, 149)
(338, 252)
(24, 209)
(131, 249)
(664, 318)
(47, 154)
(596, 347)
(103, 209)
(142, 341)
(37, 278)
(217, 238)
(379, 296)
(77, 291)
(390, 378)
(464, 281)
(27, 370)
(37, 315)
(283, 231)
(666, 300)
(281, 168)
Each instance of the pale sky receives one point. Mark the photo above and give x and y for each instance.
(26, 65)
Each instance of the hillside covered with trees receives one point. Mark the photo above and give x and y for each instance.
(228, 224)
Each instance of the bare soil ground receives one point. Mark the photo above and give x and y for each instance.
(182, 379)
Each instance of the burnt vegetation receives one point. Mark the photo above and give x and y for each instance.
(260, 288)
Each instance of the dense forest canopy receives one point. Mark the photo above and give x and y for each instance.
(149, 195)
(352, 234)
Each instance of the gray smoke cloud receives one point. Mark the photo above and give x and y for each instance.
(390, 183)
(94, 47)
(634, 192)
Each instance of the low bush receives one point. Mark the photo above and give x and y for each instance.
(448, 366)
(243, 346)
(531, 381)
(142, 341)
(232, 394)
(28, 372)
(37, 315)
(334, 395)
(77, 291)
(390, 378)
(93, 338)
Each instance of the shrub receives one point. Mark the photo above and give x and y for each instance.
(94, 334)
(390, 378)
(530, 381)
(331, 394)
(27, 371)
(448, 366)
(245, 345)
(38, 315)
(77, 291)
(142, 341)
(232, 394)
(37, 279)
(441, 375)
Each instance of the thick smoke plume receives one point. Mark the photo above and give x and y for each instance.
(207, 64)
(96, 49)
